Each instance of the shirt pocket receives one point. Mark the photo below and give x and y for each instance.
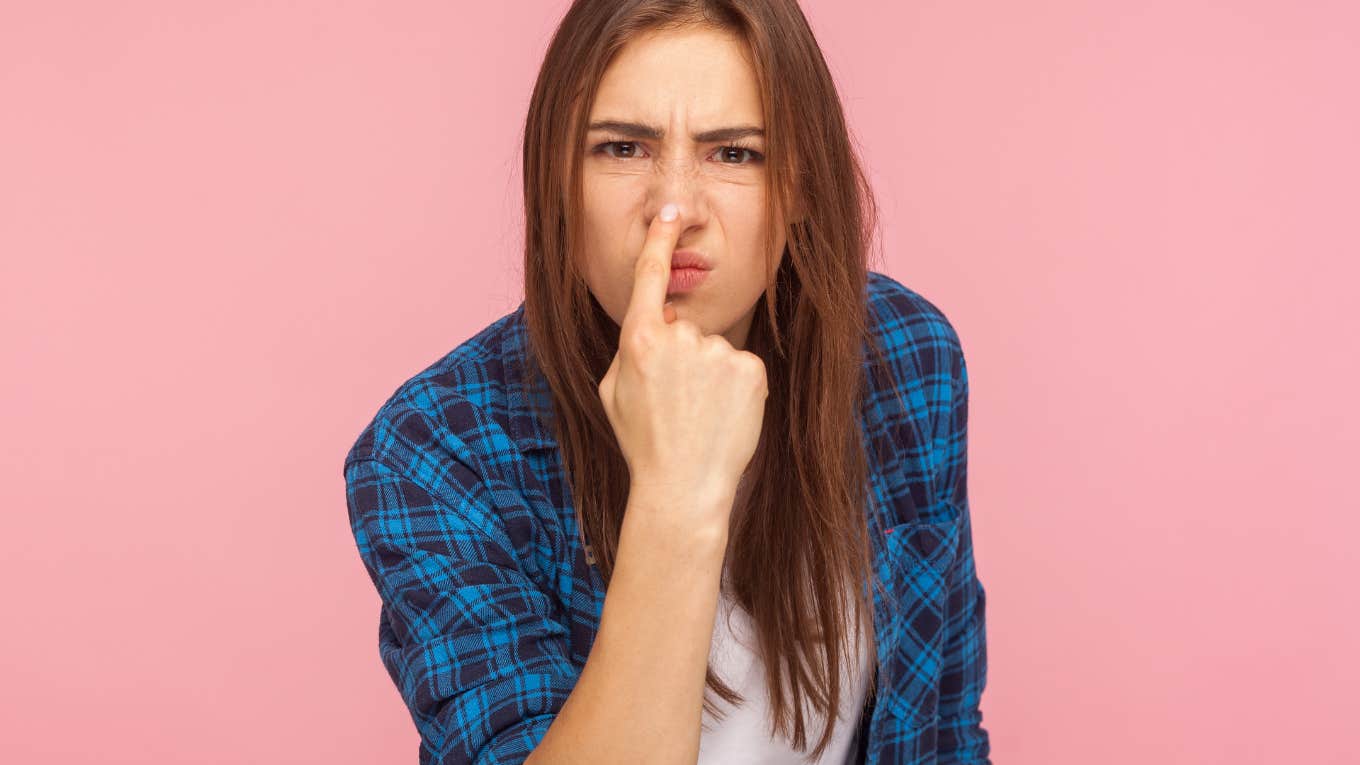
(920, 555)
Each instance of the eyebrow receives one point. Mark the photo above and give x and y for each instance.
(652, 132)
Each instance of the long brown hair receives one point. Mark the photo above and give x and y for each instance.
(802, 542)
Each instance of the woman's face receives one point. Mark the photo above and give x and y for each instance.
(662, 91)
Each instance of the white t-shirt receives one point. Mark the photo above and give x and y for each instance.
(743, 735)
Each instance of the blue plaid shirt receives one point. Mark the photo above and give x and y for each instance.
(458, 503)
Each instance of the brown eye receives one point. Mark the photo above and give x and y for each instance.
(727, 152)
(604, 148)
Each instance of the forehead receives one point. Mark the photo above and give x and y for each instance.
(697, 76)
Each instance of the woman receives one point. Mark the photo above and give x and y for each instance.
(710, 451)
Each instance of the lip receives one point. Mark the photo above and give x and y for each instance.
(685, 280)
(690, 259)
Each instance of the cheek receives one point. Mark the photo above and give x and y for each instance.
(743, 225)
(611, 210)
(610, 213)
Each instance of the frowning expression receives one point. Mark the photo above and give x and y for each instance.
(677, 118)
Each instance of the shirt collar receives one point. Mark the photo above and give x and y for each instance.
(527, 399)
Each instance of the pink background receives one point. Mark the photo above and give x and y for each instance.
(229, 230)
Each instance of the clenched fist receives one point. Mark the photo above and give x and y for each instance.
(686, 408)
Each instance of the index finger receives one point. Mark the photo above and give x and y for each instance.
(652, 272)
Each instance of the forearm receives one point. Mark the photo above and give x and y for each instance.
(639, 697)
(960, 736)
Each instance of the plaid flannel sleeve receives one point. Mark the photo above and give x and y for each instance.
(471, 643)
(961, 737)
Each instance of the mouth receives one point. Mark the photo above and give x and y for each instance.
(686, 280)
(689, 259)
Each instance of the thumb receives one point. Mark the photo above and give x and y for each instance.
(668, 312)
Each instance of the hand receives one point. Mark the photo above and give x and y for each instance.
(686, 408)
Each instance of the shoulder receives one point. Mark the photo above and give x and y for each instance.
(917, 394)
(453, 411)
(915, 336)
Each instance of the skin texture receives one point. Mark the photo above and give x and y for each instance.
(683, 82)
(687, 408)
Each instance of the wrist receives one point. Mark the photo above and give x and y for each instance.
(693, 520)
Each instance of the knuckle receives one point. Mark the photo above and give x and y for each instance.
(688, 330)
(637, 342)
(755, 367)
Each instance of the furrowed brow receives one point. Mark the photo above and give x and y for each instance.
(637, 130)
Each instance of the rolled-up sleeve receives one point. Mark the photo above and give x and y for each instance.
(472, 644)
(961, 737)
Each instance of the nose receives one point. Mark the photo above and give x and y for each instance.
(677, 179)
